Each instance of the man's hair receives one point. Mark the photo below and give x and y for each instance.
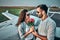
(43, 7)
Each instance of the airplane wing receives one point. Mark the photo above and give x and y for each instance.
(9, 22)
(8, 28)
(9, 16)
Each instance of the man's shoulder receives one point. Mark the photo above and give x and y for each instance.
(51, 21)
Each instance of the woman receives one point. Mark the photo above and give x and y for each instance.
(23, 28)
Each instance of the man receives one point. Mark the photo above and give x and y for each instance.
(47, 26)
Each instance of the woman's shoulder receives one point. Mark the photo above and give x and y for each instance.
(22, 24)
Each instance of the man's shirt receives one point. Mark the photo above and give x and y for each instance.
(47, 28)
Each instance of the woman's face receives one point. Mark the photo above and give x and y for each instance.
(27, 17)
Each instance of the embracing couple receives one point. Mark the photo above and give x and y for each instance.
(45, 30)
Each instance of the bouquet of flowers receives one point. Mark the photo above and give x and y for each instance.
(31, 22)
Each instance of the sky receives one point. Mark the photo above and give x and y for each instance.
(29, 2)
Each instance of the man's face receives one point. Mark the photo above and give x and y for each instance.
(39, 12)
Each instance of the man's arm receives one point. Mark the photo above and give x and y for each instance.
(51, 31)
(36, 34)
(39, 36)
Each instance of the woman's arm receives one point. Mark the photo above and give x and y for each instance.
(20, 31)
(27, 33)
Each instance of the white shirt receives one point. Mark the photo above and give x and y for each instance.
(47, 28)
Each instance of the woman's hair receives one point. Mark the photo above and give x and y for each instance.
(22, 16)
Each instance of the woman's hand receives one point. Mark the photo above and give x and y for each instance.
(31, 29)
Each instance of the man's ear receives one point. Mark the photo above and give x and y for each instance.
(43, 11)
